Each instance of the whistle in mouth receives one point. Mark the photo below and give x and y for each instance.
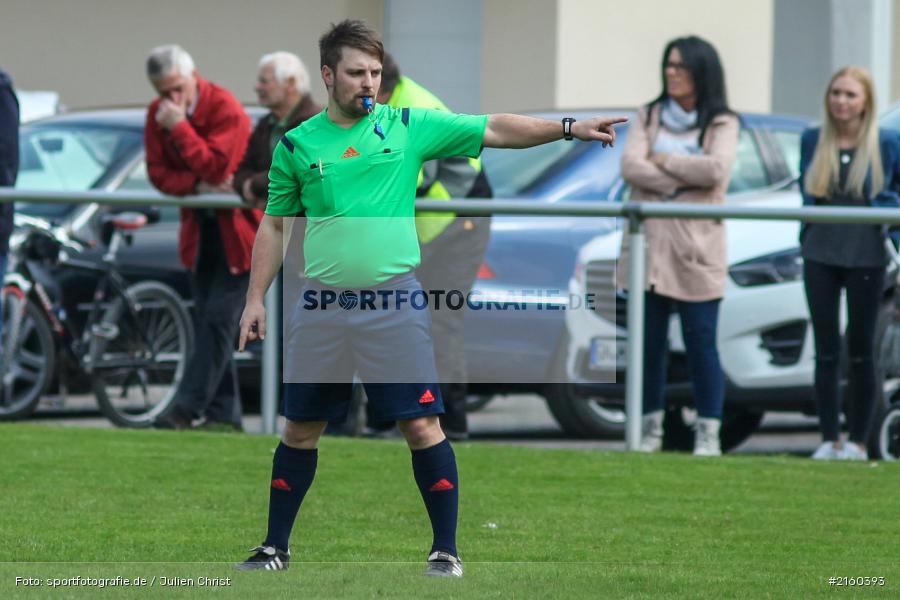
(367, 103)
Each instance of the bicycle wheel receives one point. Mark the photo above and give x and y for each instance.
(28, 363)
(137, 358)
(888, 431)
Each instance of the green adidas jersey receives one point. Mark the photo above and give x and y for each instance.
(357, 187)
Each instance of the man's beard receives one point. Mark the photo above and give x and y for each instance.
(353, 108)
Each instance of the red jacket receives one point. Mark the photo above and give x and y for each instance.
(208, 146)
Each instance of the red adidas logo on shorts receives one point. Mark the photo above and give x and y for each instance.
(426, 398)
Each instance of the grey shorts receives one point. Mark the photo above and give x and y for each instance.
(381, 334)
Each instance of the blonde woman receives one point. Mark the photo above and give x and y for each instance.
(846, 162)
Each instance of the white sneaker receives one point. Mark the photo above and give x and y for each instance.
(706, 437)
(651, 432)
(850, 451)
(826, 451)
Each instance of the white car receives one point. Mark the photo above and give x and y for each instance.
(764, 338)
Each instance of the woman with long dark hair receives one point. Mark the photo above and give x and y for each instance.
(681, 147)
(847, 161)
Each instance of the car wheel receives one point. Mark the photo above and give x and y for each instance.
(598, 417)
(678, 428)
(584, 417)
(578, 415)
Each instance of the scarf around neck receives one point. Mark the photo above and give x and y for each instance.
(676, 119)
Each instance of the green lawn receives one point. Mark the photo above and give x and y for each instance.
(533, 523)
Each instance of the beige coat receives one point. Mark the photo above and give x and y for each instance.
(686, 258)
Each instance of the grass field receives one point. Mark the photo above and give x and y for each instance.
(533, 523)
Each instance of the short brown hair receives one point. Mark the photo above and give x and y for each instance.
(351, 34)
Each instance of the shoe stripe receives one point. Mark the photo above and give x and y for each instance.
(278, 563)
(268, 566)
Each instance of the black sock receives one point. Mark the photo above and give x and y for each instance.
(435, 472)
(293, 470)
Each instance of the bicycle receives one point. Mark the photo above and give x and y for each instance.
(134, 343)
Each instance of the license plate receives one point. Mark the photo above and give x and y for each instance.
(608, 354)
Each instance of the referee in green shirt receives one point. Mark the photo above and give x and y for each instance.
(352, 172)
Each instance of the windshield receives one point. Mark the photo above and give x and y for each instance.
(57, 158)
(512, 172)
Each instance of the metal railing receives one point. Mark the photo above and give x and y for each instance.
(634, 212)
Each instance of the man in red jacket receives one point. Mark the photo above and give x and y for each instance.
(195, 136)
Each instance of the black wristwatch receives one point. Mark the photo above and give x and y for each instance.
(567, 127)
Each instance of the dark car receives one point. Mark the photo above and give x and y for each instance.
(507, 350)
(103, 150)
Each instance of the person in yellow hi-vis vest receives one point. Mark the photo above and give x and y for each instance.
(452, 246)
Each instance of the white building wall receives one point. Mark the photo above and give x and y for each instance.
(93, 51)
(610, 51)
(479, 55)
(519, 67)
(814, 38)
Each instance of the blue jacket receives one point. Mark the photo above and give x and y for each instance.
(889, 197)
(9, 153)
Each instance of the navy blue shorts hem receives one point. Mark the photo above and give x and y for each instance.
(415, 415)
(318, 417)
(389, 402)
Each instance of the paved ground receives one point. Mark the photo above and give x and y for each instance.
(519, 420)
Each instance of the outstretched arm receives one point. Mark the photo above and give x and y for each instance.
(519, 131)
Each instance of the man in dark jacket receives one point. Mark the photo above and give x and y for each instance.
(9, 159)
(282, 86)
(195, 136)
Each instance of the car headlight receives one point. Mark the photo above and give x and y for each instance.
(779, 267)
